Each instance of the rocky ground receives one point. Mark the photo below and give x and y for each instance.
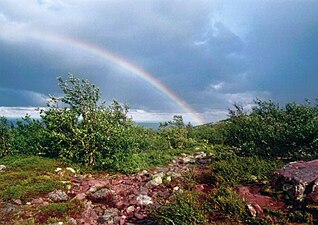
(128, 199)
(121, 199)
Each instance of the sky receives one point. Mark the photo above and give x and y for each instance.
(195, 58)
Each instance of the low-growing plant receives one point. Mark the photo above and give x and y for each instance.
(184, 209)
(234, 170)
(28, 176)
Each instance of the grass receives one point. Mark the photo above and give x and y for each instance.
(184, 209)
(27, 177)
(133, 162)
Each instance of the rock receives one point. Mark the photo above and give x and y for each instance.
(297, 179)
(39, 201)
(144, 200)
(139, 215)
(58, 169)
(71, 221)
(80, 196)
(252, 210)
(144, 173)
(70, 169)
(168, 179)
(161, 175)
(256, 202)
(2, 168)
(58, 196)
(200, 155)
(155, 182)
(108, 216)
(103, 195)
(187, 160)
(174, 174)
(9, 208)
(17, 201)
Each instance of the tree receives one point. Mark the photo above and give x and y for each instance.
(175, 132)
(81, 128)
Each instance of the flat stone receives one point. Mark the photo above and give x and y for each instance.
(58, 196)
(297, 179)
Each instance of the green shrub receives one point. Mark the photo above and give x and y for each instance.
(30, 137)
(176, 133)
(84, 130)
(271, 131)
(234, 169)
(211, 133)
(5, 137)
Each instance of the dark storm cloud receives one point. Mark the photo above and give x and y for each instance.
(210, 53)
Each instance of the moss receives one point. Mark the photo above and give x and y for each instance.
(26, 177)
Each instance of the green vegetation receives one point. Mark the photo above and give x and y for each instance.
(78, 129)
(271, 131)
(27, 177)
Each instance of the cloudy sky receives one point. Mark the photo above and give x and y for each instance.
(209, 53)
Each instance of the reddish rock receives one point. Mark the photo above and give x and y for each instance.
(257, 202)
(296, 179)
(103, 195)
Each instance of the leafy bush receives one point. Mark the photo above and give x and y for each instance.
(84, 130)
(30, 137)
(175, 133)
(5, 137)
(211, 133)
(271, 131)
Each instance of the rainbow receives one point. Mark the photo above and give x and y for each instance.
(122, 63)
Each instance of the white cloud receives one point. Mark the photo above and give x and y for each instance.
(18, 112)
(217, 86)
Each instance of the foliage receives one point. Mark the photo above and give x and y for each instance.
(225, 201)
(176, 133)
(185, 209)
(30, 137)
(271, 131)
(211, 133)
(83, 130)
(5, 137)
(234, 170)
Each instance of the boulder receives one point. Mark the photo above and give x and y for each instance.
(297, 179)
